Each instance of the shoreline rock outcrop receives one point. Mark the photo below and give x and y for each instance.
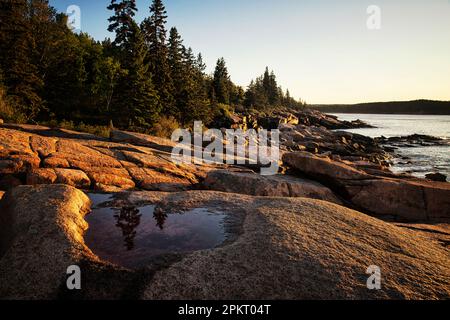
(310, 117)
(338, 144)
(323, 247)
(33, 156)
(279, 248)
(411, 141)
(406, 199)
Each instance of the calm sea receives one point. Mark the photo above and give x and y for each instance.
(422, 160)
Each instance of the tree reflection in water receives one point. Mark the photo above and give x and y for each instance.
(160, 217)
(128, 220)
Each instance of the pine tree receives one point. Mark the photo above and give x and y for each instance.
(122, 21)
(154, 29)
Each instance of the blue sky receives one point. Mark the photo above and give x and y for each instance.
(321, 50)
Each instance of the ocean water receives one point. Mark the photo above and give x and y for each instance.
(421, 160)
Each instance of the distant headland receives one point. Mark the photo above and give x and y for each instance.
(426, 107)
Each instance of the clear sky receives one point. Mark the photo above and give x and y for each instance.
(322, 50)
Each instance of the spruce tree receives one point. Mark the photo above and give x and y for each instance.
(154, 29)
(188, 81)
(273, 93)
(122, 21)
(221, 82)
(195, 103)
(266, 82)
(137, 102)
(178, 72)
(199, 64)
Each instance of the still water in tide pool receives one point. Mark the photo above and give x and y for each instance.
(132, 236)
(421, 160)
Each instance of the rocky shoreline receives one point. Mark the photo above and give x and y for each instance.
(334, 209)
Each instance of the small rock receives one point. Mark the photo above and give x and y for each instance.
(436, 177)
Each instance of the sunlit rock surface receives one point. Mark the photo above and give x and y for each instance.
(47, 157)
(291, 248)
(270, 241)
(42, 235)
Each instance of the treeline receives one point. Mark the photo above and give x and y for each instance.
(146, 76)
(395, 107)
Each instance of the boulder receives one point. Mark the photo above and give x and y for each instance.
(389, 197)
(42, 235)
(43, 146)
(71, 177)
(14, 142)
(152, 180)
(56, 161)
(41, 176)
(322, 168)
(297, 248)
(269, 186)
(102, 165)
(114, 177)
